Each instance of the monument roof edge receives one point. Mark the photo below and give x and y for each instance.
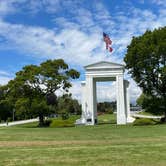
(103, 62)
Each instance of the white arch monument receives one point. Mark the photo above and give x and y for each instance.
(104, 71)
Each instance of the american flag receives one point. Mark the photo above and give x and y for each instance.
(108, 42)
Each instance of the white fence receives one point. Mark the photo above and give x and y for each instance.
(19, 122)
(146, 116)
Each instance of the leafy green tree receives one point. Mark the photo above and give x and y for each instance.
(107, 107)
(5, 105)
(150, 104)
(5, 110)
(67, 105)
(34, 87)
(146, 61)
(23, 109)
(141, 99)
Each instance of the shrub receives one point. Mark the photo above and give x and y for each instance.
(100, 113)
(62, 123)
(9, 119)
(65, 116)
(47, 122)
(144, 121)
(109, 111)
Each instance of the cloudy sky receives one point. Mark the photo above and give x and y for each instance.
(32, 31)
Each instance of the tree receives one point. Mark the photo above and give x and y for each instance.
(33, 89)
(107, 107)
(5, 105)
(67, 105)
(146, 61)
(141, 99)
(150, 104)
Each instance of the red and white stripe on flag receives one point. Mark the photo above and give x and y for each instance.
(108, 42)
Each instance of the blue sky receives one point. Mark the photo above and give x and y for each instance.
(32, 31)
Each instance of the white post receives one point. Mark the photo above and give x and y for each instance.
(127, 98)
(127, 101)
(83, 101)
(121, 116)
(94, 101)
(90, 99)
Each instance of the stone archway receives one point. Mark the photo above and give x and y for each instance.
(104, 71)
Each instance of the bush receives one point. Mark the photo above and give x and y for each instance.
(65, 116)
(62, 123)
(47, 122)
(162, 120)
(144, 121)
(9, 119)
(109, 111)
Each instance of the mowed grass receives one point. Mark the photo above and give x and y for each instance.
(101, 145)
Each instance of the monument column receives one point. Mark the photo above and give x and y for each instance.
(127, 102)
(127, 99)
(94, 101)
(121, 116)
(90, 95)
(83, 101)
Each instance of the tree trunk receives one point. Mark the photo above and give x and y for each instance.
(164, 109)
(41, 120)
(163, 120)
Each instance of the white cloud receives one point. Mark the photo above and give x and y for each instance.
(4, 73)
(4, 80)
(134, 91)
(76, 90)
(159, 2)
(6, 7)
(71, 44)
(4, 77)
(74, 40)
(79, 38)
(106, 91)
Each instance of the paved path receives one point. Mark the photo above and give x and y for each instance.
(19, 122)
(146, 116)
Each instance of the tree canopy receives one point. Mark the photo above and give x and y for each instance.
(33, 90)
(146, 61)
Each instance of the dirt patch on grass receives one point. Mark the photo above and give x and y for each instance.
(77, 142)
(46, 143)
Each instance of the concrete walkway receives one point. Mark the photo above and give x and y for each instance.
(19, 122)
(146, 116)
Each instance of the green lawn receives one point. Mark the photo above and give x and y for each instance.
(101, 145)
(107, 119)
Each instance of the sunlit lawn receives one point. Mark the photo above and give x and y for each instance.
(101, 145)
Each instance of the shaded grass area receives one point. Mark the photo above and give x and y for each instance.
(146, 121)
(104, 145)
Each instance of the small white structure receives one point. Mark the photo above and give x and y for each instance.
(104, 71)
